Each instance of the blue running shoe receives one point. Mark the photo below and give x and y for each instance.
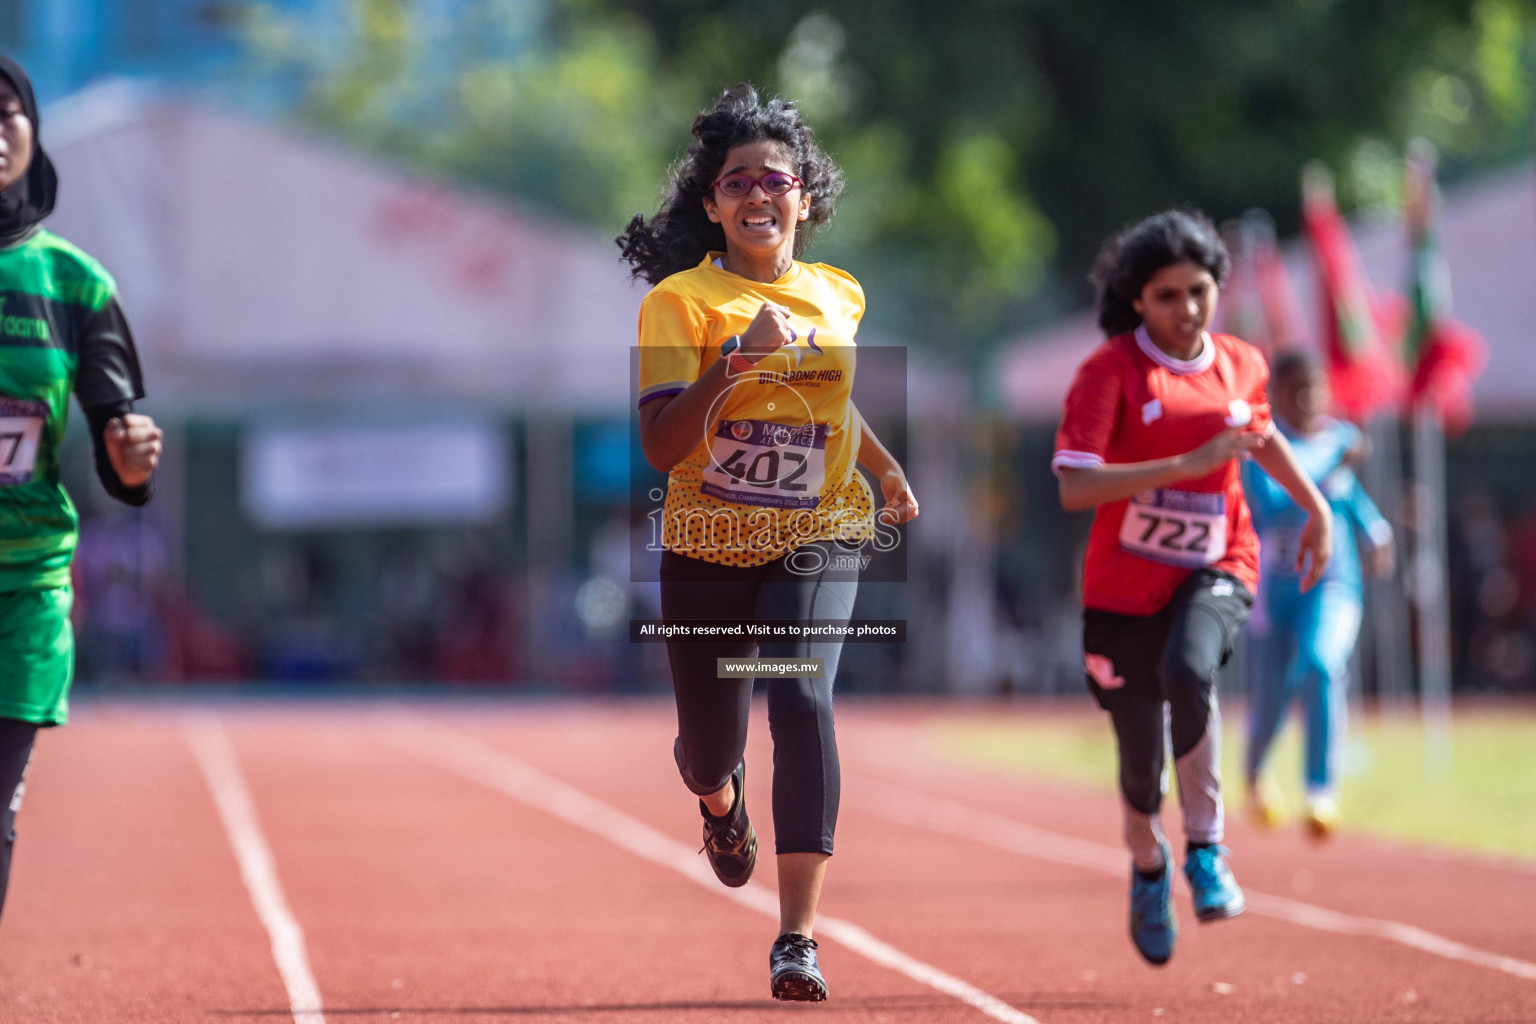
(1216, 892)
(1153, 929)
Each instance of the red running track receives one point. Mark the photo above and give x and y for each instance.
(525, 862)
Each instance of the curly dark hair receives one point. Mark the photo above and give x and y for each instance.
(1130, 259)
(681, 232)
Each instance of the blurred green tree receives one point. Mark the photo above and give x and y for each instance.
(989, 146)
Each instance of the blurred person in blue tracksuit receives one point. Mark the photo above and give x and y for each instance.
(1303, 640)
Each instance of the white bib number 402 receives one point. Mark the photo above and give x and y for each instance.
(770, 464)
(21, 431)
(1183, 528)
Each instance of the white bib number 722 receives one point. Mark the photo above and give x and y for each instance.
(1183, 528)
(21, 431)
(771, 464)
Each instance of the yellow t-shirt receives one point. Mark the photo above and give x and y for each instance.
(776, 469)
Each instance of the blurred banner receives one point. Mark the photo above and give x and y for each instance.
(428, 475)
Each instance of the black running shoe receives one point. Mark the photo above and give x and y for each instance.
(793, 971)
(730, 841)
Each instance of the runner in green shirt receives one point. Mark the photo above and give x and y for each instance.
(61, 331)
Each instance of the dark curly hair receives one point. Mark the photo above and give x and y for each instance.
(681, 232)
(1130, 259)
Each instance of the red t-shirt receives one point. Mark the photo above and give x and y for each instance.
(1132, 402)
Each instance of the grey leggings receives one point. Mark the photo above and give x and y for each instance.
(712, 712)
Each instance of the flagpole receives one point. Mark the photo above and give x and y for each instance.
(1430, 291)
(1430, 587)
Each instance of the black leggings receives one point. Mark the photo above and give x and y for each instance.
(15, 751)
(712, 712)
(1171, 656)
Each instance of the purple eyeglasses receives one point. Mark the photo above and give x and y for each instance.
(774, 183)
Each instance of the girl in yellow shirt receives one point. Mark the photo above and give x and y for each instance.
(746, 372)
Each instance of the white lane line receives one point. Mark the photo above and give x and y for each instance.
(479, 762)
(1324, 919)
(952, 819)
(216, 757)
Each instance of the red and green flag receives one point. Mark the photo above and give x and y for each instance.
(1443, 356)
(1361, 371)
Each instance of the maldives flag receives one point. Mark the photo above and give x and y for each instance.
(1444, 356)
(1361, 371)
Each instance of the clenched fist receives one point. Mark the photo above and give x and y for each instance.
(768, 332)
(1231, 443)
(900, 502)
(133, 444)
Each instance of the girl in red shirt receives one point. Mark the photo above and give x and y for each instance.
(1151, 431)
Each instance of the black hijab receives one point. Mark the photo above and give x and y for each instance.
(24, 205)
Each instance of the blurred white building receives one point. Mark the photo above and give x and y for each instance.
(257, 265)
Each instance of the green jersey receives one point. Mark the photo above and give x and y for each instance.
(61, 331)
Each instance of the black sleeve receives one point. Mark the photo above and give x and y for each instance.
(107, 382)
(98, 416)
(108, 369)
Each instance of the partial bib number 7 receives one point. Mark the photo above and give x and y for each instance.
(21, 433)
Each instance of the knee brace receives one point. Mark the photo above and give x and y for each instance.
(1142, 786)
(1189, 689)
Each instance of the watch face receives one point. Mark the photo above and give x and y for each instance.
(730, 345)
